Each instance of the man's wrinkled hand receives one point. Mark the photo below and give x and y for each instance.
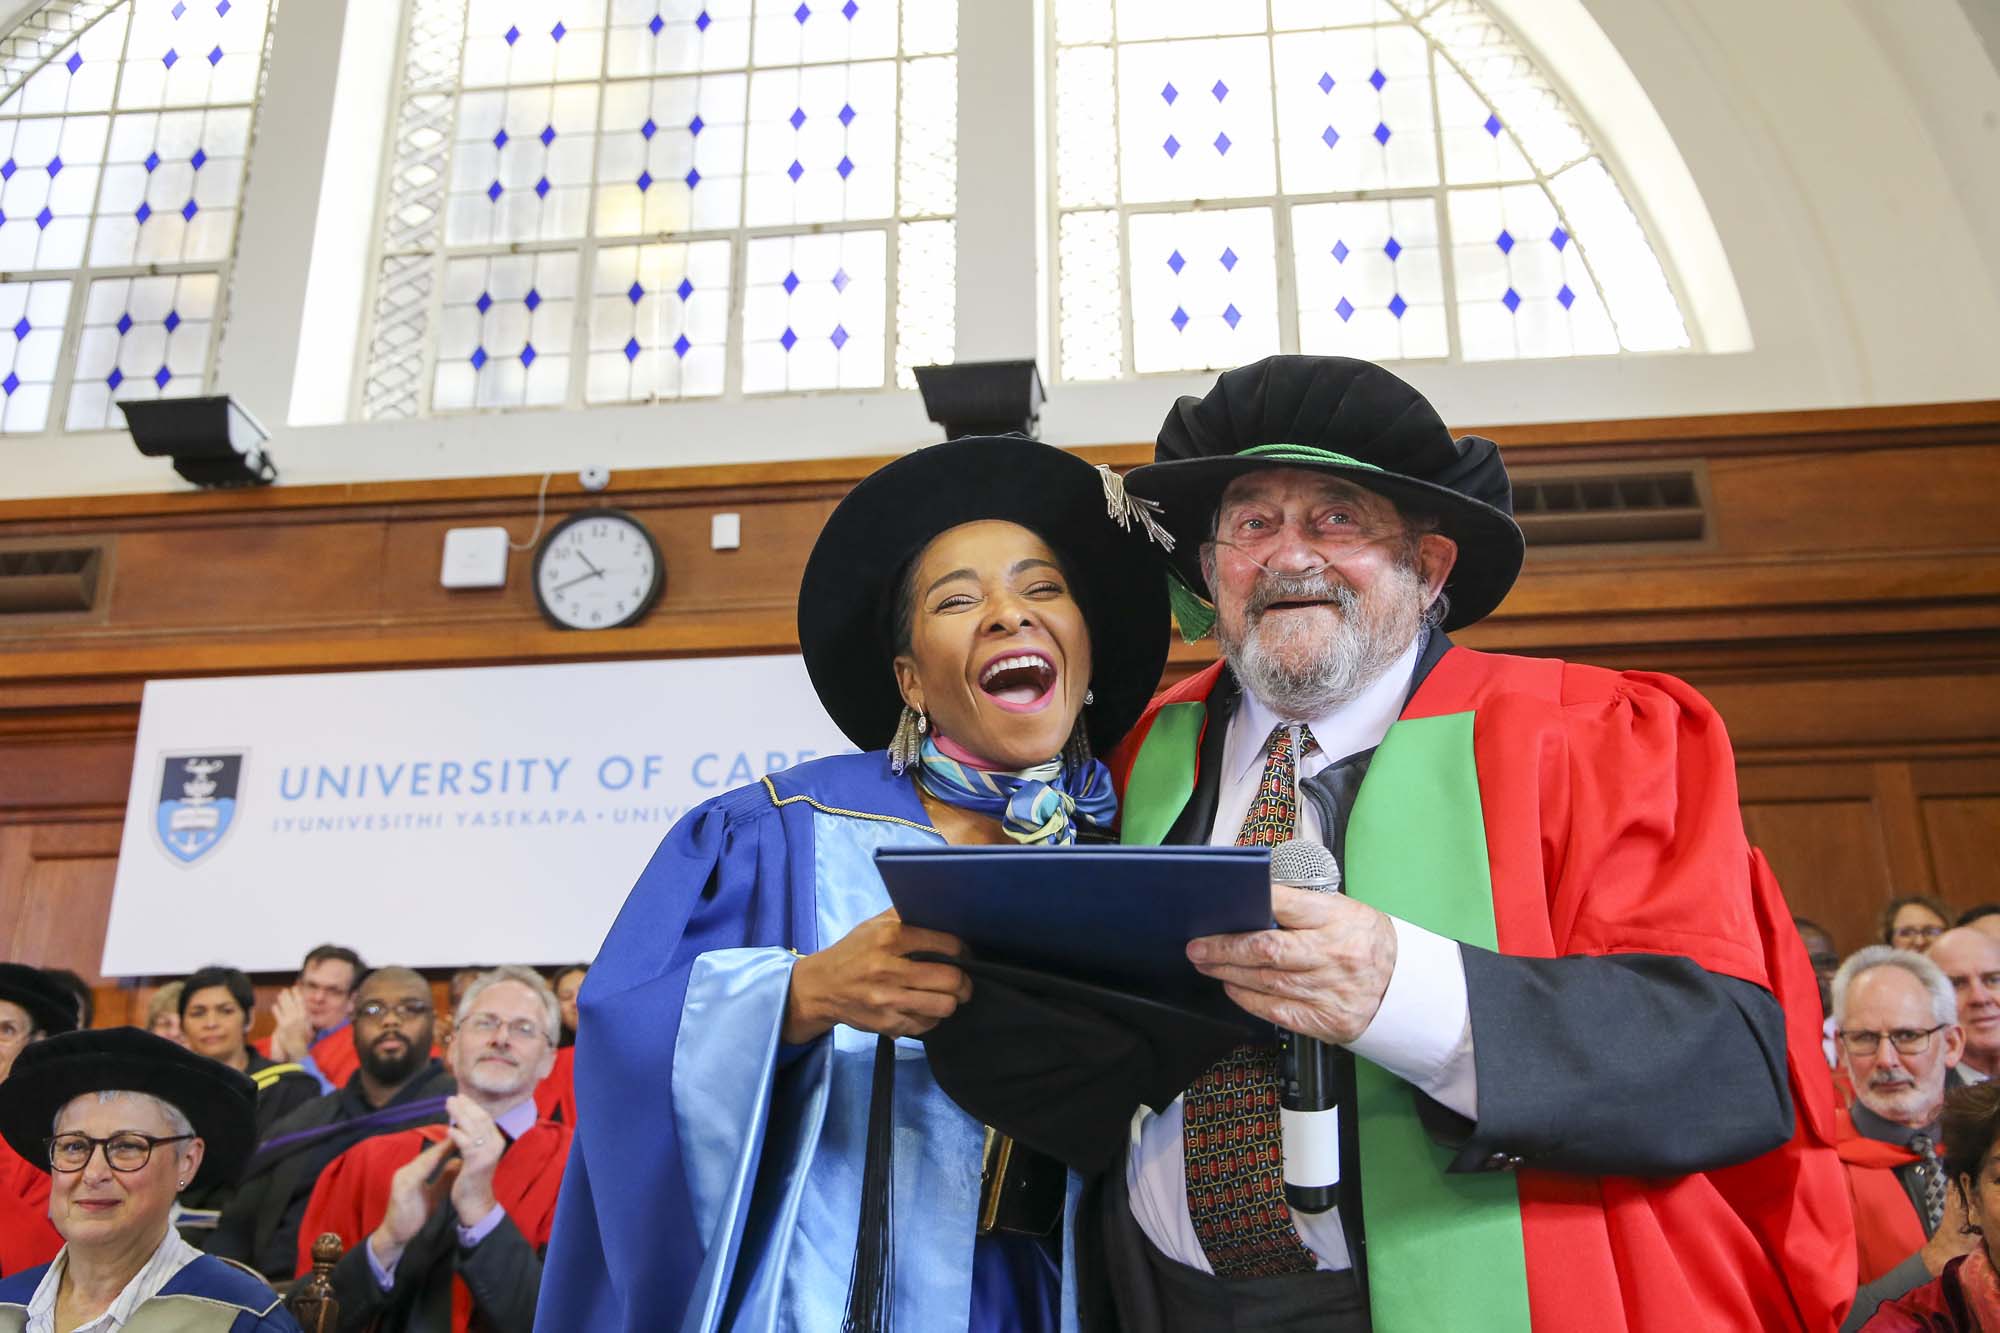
(1322, 973)
(412, 1197)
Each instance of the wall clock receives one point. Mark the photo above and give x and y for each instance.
(598, 569)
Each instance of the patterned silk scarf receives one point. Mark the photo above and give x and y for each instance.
(1040, 805)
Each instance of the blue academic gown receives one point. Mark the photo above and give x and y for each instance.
(715, 1179)
(209, 1295)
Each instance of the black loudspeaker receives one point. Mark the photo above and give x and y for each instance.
(212, 441)
(983, 397)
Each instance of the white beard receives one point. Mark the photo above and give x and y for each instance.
(1302, 673)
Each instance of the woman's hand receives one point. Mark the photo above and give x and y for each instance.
(864, 981)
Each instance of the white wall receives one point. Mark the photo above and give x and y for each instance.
(1845, 150)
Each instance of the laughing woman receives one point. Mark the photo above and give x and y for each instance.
(976, 623)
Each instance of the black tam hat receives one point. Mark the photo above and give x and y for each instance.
(51, 1006)
(219, 1102)
(1349, 418)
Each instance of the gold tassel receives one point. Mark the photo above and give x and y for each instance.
(1124, 508)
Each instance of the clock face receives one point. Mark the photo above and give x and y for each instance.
(598, 570)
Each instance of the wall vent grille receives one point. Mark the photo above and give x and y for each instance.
(1648, 504)
(41, 580)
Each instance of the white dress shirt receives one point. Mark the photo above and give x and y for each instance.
(1422, 1032)
(170, 1257)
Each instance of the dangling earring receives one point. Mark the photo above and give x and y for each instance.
(906, 747)
(1089, 696)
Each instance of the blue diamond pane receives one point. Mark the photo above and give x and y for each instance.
(795, 170)
(645, 181)
(55, 166)
(500, 139)
(850, 9)
(696, 125)
(512, 35)
(631, 349)
(115, 378)
(199, 160)
(1228, 258)
(171, 58)
(1397, 305)
(681, 345)
(142, 212)
(124, 325)
(788, 339)
(840, 279)
(542, 188)
(178, 9)
(798, 117)
(1179, 318)
(1326, 83)
(1558, 238)
(44, 218)
(1378, 78)
(478, 358)
(11, 383)
(189, 209)
(7, 168)
(1172, 145)
(558, 32)
(1176, 262)
(846, 114)
(152, 164)
(1566, 296)
(74, 63)
(1222, 143)
(1382, 134)
(24, 328)
(163, 376)
(484, 303)
(215, 56)
(548, 135)
(685, 290)
(791, 283)
(528, 354)
(702, 20)
(222, 8)
(1221, 90)
(655, 25)
(802, 13)
(649, 129)
(1393, 249)
(845, 168)
(838, 337)
(494, 191)
(1505, 240)
(635, 293)
(1331, 137)
(532, 299)
(1169, 93)
(172, 321)
(1512, 300)
(1231, 314)
(1493, 126)
(693, 178)
(1340, 252)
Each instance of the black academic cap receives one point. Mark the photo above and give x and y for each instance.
(49, 1003)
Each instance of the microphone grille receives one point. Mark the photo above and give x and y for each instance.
(1296, 861)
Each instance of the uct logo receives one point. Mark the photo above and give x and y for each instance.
(197, 802)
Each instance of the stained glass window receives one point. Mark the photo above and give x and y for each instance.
(124, 128)
(702, 196)
(1387, 179)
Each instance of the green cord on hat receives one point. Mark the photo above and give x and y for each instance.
(1303, 453)
(1191, 611)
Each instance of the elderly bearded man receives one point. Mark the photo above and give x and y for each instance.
(1580, 1104)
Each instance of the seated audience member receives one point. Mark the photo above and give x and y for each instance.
(1963, 1295)
(136, 1121)
(1984, 917)
(1899, 1038)
(555, 1098)
(398, 1085)
(1912, 922)
(32, 1006)
(163, 1013)
(217, 1006)
(466, 1252)
(313, 1017)
(81, 997)
(1970, 960)
(1825, 962)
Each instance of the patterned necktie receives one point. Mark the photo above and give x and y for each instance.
(1230, 1130)
(1931, 1176)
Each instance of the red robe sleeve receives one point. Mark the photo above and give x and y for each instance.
(352, 1195)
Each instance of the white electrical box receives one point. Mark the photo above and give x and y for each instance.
(474, 558)
(725, 532)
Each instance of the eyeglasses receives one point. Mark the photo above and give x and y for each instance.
(1917, 932)
(1908, 1041)
(319, 988)
(408, 1010)
(485, 1025)
(124, 1152)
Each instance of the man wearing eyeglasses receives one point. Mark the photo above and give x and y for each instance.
(455, 1217)
(397, 1085)
(314, 1027)
(1896, 1021)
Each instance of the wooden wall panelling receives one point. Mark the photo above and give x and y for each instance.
(55, 893)
(1822, 829)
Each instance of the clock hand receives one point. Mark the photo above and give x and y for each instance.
(580, 578)
(595, 571)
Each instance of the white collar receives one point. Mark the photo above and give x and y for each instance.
(168, 1258)
(1348, 728)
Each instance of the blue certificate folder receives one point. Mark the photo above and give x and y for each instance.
(1117, 917)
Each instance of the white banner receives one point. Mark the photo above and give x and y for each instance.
(428, 818)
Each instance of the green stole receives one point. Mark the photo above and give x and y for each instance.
(1443, 1250)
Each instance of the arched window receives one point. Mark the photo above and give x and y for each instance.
(603, 201)
(123, 132)
(1386, 179)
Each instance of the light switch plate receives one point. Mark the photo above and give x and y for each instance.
(474, 558)
(725, 532)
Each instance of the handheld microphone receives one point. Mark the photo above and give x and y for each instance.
(1307, 1109)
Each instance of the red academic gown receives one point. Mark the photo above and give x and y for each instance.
(555, 1096)
(1612, 826)
(353, 1192)
(1887, 1229)
(334, 1053)
(27, 1237)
